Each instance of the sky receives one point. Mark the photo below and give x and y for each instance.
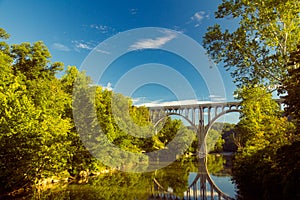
(149, 50)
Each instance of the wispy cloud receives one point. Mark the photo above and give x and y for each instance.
(102, 28)
(83, 45)
(172, 103)
(60, 47)
(133, 11)
(198, 17)
(217, 98)
(149, 43)
(139, 100)
(102, 51)
(179, 29)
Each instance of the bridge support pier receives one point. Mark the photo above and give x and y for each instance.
(201, 140)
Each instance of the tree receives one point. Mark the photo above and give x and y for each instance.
(263, 131)
(33, 130)
(257, 51)
(79, 158)
(291, 86)
(214, 141)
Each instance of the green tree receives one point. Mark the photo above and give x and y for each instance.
(291, 86)
(79, 158)
(214, 141)
(33, 129)
(215, 164)
(257, 51)
(263, 131)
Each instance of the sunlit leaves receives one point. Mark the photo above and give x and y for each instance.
(257, 51)
(262, 130)
(33, 131)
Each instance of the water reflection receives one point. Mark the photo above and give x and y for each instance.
(200, 184)
(173, 181)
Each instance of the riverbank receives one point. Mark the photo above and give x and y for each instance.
(54, 182)
(114, 184)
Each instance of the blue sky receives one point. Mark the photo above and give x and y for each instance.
(72, 29)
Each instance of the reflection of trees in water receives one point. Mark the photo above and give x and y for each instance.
(113, 186)
(215, 164)
(202, 186)
(175, 176)
(219, 165)
(121, 185)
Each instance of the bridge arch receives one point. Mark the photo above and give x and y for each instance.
(199, 182)
(211, 123)
(176, 114)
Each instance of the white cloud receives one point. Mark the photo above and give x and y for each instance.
(179, 29)
(133, 11)
(155, 43)
(217, 98)
(173, 103)
(88, 46)
(60, 47)
(79, 45)
(102, 28)
(108, 87)
(198, 17)
(139, 100)
(83, 46)
(102, 51)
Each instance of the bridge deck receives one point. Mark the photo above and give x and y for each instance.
(195, 106)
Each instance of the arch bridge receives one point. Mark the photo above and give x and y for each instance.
(200, 116)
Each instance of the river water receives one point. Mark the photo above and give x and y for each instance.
(173, 180)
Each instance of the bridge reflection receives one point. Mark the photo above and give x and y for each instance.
(201, 188)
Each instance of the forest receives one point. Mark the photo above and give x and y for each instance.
(39, 139)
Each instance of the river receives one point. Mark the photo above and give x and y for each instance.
(173, 180)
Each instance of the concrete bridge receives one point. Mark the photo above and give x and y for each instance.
(200, 116)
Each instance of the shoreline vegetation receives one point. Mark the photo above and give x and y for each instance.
(216, 163)
(39, 139)
(55, 182)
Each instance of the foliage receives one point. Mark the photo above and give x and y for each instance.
(214, 141)
(257, 50)
(215, 164)
(79, 158)
(291, 86)
(33, 129)
(38, 133)
(221, 138)
(262, 131)
(114, 186)
(175, 176)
